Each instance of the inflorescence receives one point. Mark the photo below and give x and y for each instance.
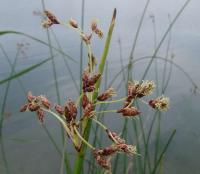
(67, 114)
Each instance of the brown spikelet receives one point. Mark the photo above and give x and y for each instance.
(92, 81)
(40, 114)
(88, 111)
(51, 17)
(86, 38)
(102, 161)
(33, 107)
(129, 111)
(24, 108)
(70, 111)
(59, 109)
(93, 25)
(73, 23)
(99, 33)
(106, 94)
(45, 102)
(85, 101)
(30, 97)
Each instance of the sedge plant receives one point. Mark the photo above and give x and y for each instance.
(77, 126)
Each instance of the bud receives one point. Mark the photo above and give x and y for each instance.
(161, 103)
(73, 23)
(129, 111)
(106, 94)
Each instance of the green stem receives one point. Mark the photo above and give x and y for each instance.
(88, 144)
(113, 101)
(107, 111)
(80, 157)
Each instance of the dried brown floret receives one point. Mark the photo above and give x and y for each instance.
(45, 102)
(70, 111)
(102, 161)
(160, 103)
(88, 111)
(24, 108)
(30, 97)
(85, 101)
(73, 23)
(59, 109)
(51, 17)
(106, 94)
(115, 138)
(129, 111)
(33, 107)
(40, 114)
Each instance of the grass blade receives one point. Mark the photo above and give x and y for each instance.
(37, 40)
(163, 152)
(24, 71)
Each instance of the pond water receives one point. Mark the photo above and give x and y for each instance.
(27, 146)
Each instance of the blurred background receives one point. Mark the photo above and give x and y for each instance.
(26, 145)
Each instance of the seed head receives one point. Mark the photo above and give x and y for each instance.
(51, 17)
(160, 103)
(129, 111)
(59, 109)
(115, 138)
(99, 33)
(30, 97)
(129, 149)
(85, 101)
(45, 102)
(136, 89)
(24, 108)
(92, 81)
(106, 94)
(89, 110)
(70, 111)
(40, 114)
(33, 107)
(102, 161)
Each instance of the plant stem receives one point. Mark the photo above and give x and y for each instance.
(107, 111)
(113, 101)
(80, 157)
(88, 144)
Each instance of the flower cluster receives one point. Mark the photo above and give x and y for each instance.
(89, 98)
